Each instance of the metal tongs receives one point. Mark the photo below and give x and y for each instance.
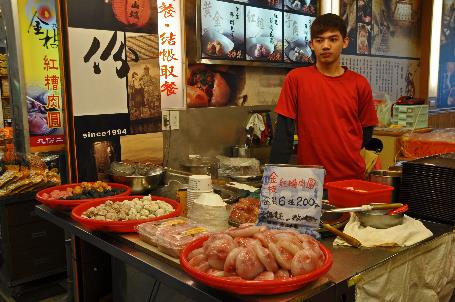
(367, 207)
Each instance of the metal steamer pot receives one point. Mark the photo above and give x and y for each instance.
(198, 165)
(141, 184)
(391, 178)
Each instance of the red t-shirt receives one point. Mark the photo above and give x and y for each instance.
(330, 113)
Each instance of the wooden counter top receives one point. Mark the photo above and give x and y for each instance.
(398, 131)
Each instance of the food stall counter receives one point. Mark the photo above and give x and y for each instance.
(348, 263)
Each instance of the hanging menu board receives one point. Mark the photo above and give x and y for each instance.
(274, 31)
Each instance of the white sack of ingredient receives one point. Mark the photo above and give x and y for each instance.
(291, 197)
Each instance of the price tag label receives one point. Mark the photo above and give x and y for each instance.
(291, 196)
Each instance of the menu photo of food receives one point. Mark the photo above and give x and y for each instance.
(266, 3)
(214, 85)
(37, 114)
(222, 30)
(297, 38)
(308, 7)
(264, 40)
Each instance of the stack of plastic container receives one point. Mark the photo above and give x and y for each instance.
(197, 185)
(410, 116)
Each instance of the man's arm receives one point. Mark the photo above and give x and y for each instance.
(367, 135)
(282, 140)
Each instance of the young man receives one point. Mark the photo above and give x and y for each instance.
(331, 106)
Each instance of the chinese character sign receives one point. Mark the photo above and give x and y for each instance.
(393, 76)
(117, 56)
(291, 197)
(170, 51)
(43, 75)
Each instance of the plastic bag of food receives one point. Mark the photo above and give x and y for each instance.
(147, 231)
(171, 235)
(438, 141)
(383, 106)
(172, 240)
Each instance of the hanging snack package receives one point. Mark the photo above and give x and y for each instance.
(291, 197)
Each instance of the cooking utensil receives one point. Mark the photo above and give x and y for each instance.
(246, 178)
(386, 177)
(400, 210)
(141, 184)
(380, 219)
(368, 207)
(240, 151)
(200, 165)
(336, 220)
(349, 239)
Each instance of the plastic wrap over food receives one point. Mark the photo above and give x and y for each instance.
(238, 166)
(437, 141)
(171, 235)
(137, 169)
(148, 230)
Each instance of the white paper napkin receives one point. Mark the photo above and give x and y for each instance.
(406, 234)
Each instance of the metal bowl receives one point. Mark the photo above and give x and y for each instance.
(141, 184)
(379, 219)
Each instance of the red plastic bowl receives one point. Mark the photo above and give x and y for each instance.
(251, 287)
(119, 226)
(68, 204)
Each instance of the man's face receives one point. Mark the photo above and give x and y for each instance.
(328, 46)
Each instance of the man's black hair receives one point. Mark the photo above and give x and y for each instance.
(328, 22)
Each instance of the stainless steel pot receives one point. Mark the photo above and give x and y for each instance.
(380, 219)
(391, 178)
(241, 151)
(141, 184)
(201, 166)
(199, 169)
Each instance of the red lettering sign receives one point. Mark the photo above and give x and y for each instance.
(53, 119)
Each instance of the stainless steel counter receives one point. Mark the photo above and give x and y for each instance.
(347, 264)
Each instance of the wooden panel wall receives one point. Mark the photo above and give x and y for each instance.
(442, 120)
(427, 10)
